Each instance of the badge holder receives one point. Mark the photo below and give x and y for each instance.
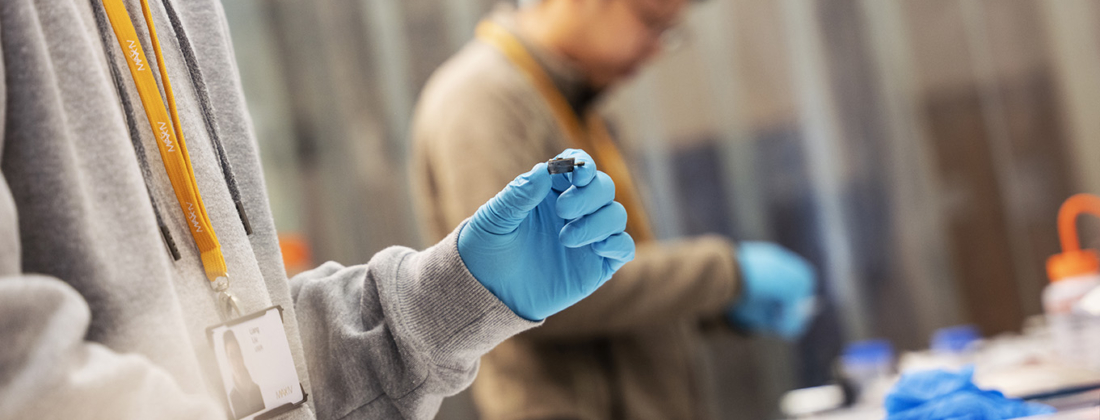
(253, 356)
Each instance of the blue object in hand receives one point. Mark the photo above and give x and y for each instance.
(778, 294)
(548, 240)
(939, 394)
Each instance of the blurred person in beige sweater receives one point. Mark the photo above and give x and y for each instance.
(525, 87)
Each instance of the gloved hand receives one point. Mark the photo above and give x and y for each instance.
(547, 241)
(778, 294)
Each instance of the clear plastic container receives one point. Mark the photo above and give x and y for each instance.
(955, 345)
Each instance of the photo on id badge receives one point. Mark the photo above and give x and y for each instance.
(256, 366)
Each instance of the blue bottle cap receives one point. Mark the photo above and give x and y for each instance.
(868, 352)
(954, 339)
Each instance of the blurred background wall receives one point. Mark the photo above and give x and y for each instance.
(916, 150)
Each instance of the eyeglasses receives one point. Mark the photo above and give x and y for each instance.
(672, 36)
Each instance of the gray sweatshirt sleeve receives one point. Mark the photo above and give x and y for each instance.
(48, 370)
(391, 338)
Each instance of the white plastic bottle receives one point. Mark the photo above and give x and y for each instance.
(869, 365)
(1073, 274)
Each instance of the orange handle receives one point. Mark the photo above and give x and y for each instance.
(1073, 261)
(1067, 219)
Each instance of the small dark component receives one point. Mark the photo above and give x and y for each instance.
(561, 166)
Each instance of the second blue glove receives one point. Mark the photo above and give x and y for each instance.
(547, 241)
(777, 290)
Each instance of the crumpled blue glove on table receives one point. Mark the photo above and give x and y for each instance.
(778, 291)
(942, 395)
(547, 241)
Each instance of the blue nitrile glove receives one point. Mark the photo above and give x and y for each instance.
(778, 291)
(940, 394)
(547, 241)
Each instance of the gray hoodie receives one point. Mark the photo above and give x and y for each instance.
(98, 320)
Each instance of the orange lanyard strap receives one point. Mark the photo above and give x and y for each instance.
(168, 132)
(592, 135)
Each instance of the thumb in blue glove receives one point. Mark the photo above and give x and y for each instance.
(778, 291)
(547, 241)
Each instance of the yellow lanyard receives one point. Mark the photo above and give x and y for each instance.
(595, 139)
(168, 132)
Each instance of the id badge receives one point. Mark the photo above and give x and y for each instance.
(257, 369)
